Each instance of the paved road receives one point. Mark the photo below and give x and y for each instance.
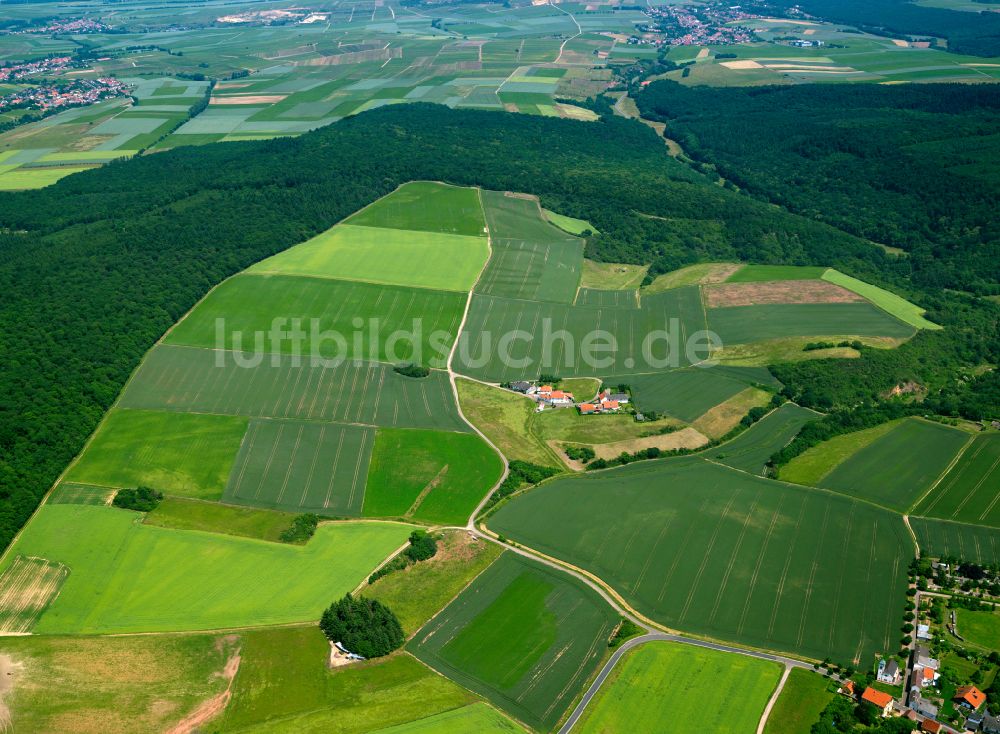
(662, 636)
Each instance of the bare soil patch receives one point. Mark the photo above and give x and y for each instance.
(724, 417)
(685, 438)
(27, 588)
(214, 706)
(782, 291)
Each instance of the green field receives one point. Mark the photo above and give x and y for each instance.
(894, 470)
(421, 590)
(694, 689)
(333, 319)
(531, 260)
(302, 466)
(974, 543)
(484, 354)
(189, 379)
(684, 394)
(284, 686)
(68, 493)
(177, 513)
(382, 255)
(35, 178)
(187, 455)
(752, 449)
(612, 275)
(478, 718)
(812, 465)
(706, 549)
(129, 577)
(980, 628)
(428, 207)
(744, 324)
(890, 302)
(569, 224)
(757, 273)
(968, 492)
(89, 685)
(523, 635)
(429, 475)
(506, 419)
(799, 704)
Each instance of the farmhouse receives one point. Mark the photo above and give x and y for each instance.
(878, 699)
(847, 689)
(922, 706)
(587, 408)
(521, 386)
(970, 697)
(617, 397)
(888, 672)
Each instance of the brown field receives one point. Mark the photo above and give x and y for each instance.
(725, 416)
(782, 291)
(27, 588)
(685, 438)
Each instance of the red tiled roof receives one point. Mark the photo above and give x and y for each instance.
(928, 674)
(876, 697)
(848, 687)
(971, 695)
(929, 725)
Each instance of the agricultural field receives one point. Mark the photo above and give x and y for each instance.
(155, 579)
(524, 636)
(332, 317)
(302, 466)
(426, 206)
(531, 260)
(284, 685)
(69, 493)
(699, 274)
(684, 394)
(178, 513)
(750, 451)
(188, 379)
(968, 492)
(771, 273)
(980, 628)
(695, 689)
(713, 551)
(487, 351)
(184, 454)
(743, 324)
(974, 543)
(799, 704)
(479, 718)
(812, 465)
(889, 302)
(27, 587)
(569, 224)
(137, 684)
(612, 276)
(418, 592)
(876, 474)
(432, 476)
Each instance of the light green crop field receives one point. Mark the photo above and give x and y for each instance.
(479, 718)
(894, 470)
(284, 686)
(975, 543)
(755, 273)
(569, 224)
(421, 590)
(129, 577)
(709, 550)
(684, 394)
(812, 465)
(694, 689)
(896, 305)
(487, 352)
(35, 178)
(798, 707)
(744, 324)
(189, 379)
(141, 684)
(968, 492)
(429, 475)
(751, 450)
(302, 466)
(980, 628)
(176, 453)
(622, 276)
(506, 419)
(426, 206)
(177, 513)
(381, 255)
(334, 319)
(531, 260)
(523, 635)
(68, 493)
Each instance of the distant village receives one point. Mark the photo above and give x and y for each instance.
(696, 25)
(64, 94)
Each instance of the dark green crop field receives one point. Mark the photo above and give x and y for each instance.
(743, 324)
(974, 543)
(896, 469)
(968, 492)
(189, 379)
(525, 636)
(684, 394)
(428, 207)
(706, 549)
(750, 450)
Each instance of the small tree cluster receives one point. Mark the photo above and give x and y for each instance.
(365, 627)
(140, 499)
(303, 527)
(412, 370)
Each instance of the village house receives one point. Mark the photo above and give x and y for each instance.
(970, 697)
(990, 725)
(888, 672)
(924, 632)
(521, 386)
(847, 688)
(931, 726)
(878, 699)
(921, 705)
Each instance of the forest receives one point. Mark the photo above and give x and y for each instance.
(95, 268)
(966, 32)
